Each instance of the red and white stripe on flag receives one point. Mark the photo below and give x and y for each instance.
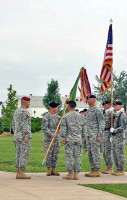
(106, 72)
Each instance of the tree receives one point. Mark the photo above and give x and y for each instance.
(11, 105)
(100, 97)
(52, 94)
(119, 88)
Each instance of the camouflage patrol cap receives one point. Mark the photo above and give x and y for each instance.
(53, 104)
(25, 98)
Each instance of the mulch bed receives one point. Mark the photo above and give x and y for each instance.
(6, 134)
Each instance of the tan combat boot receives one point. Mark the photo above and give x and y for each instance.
(17, 169)
(53, 172)
(76, 177)
(21, 175)
(119, 173)
(114, 172)
(87, 175)
(65, 177)
(109, 170)
(94, 174)
(70, 176)
(49, 171)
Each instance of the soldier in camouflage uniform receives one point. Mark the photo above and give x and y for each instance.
(22, 136)
(126, 130)
(95, 126)
(49, 125)
(118, 138)
(107, 153)
(73, 133)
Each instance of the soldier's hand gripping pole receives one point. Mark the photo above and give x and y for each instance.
(52, 141)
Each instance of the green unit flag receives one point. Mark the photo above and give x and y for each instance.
(73, 92)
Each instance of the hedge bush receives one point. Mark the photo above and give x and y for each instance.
(35, 125)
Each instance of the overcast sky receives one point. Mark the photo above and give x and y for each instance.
(45, 39)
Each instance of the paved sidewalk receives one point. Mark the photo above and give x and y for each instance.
(54, 188)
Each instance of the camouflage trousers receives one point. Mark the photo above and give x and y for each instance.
(73, 156)
(52, 158)
(126, 136)
(84, 145)
(22, 154)
(118, 146)
(93, 149)
(107, 150)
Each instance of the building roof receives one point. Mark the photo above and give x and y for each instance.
(36, 101)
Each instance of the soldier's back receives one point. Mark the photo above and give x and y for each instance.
(95, 121)
(74, 122)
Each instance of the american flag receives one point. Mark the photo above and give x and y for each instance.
(107, 68)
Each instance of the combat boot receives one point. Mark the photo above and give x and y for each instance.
(21, 175)
(70, 176)
(94, 174)
(76, 177)
(53, 172)
(109, 170)
(49, 171)
(17, 169)
(87, 175)
(119, 173)
(114, 172)
(65, 177)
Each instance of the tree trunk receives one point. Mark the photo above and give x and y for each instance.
(10, 127)
(125, 107)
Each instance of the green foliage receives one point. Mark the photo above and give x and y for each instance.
(36, 124)
(1, 126)
(61, 112)
(52, 94)
(101, 97)
(6, 124)
(11, 105)
(119, 88)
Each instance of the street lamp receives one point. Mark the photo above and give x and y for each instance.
(34, 112)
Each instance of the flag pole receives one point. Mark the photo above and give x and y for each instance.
(111, 95)
(112, 99)
(53, 138)
(72, 97)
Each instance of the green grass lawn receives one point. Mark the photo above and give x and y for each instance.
(118, 189)
(7, 155)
